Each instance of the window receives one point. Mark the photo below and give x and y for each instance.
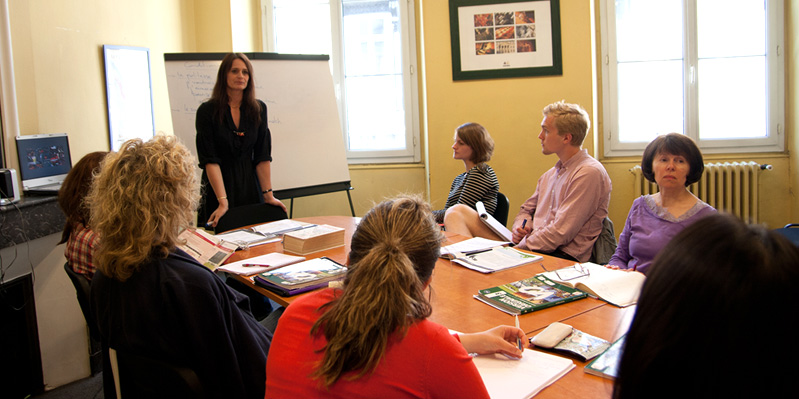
(710, 69)
(372, 53)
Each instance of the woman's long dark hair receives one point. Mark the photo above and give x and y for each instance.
(75, 187)
(219, 96)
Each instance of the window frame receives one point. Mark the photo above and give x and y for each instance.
(775, 135)
(412, 151)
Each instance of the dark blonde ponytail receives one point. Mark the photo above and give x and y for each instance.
(392, 255)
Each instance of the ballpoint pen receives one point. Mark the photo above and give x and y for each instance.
(518, 340)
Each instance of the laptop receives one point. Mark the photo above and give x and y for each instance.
(44, 162)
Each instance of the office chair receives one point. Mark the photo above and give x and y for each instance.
(246, 215)
(791, 232)
(605, 244)
(83, 290)
(503, 206)
(138, 376)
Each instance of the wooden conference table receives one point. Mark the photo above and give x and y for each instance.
(454, 307)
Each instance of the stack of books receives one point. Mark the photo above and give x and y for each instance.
(313, 239)
(301, 277)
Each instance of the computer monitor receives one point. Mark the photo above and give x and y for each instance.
(44, 161)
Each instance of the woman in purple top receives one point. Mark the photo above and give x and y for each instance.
(673, 161)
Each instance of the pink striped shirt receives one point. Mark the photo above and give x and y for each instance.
(569, 204)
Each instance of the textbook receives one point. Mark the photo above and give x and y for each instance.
(617, 287)
(492, 223)
(494, 259)
(261, 264)
(205, 248)
(300, 277)
(607, 364)
(262, 233)
(528, 295)
(245, 238)
(470, 246)
(313, 239)
(564, 338)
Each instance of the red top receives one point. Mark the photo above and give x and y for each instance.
(427, 363)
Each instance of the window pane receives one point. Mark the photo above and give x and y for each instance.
(302, 26)
(650, 100)
(649, 30)
(729, 28)
(376, 122)
(373, 75)
(732, 98)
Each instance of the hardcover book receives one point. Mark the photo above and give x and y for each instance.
(301, 277)
(313, 239)
(607, 364)
(528, 295)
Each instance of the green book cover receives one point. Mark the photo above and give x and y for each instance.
(607, 364)
(305, 273)
(529, 295)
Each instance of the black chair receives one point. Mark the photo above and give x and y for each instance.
(83, 290)
(138, 376)
(503, 206)
(791, 232)
(249, 214)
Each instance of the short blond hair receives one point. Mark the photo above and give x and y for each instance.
(144, 196)
(569, 118)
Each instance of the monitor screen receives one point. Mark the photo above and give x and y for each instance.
(43, 159)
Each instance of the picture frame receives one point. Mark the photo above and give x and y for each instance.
(505, 39)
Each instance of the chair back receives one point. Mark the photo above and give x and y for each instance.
(138, 376)
(503, 206)
(83, 291)
(246, 215)
(791, 232)
(605, 244)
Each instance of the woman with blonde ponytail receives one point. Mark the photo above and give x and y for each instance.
(371, 338)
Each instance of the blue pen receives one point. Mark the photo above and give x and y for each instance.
(524, 222)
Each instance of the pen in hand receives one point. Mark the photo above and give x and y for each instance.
(518, 340)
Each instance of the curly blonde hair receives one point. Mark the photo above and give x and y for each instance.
(141, 200)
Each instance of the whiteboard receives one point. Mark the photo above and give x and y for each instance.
(307, 144)
(129, 92)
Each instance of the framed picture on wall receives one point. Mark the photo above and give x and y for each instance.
(129, 92)
(505, 39)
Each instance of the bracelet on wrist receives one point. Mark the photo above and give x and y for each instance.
(266, 191)
(221, 198)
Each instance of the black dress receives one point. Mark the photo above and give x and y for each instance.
(237, 151)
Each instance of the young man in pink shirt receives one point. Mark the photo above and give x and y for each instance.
(564, 215)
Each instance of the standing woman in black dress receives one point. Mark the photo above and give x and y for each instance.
(234, 145)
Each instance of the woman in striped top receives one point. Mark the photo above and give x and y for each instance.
(474, 146)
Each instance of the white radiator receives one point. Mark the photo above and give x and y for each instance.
(731, 187)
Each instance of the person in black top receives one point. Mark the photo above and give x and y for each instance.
(234, 145)
(150, 298)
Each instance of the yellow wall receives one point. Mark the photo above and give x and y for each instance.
(792, 108)
(60, 88)
(58, 62)
(509, 108)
